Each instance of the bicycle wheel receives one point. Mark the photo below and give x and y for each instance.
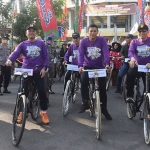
(74, 89)
(124, 87)
(108, 79)
(67, 97)
(98, 115)
(131, 110)
(18, 128)
(146, 114)
(35, 106)
(91, 101)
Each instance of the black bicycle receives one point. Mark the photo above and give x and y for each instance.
(71, 88)
(94, 95)
(146, 110)
(27, 101)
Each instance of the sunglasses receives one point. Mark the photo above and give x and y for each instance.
(142, 31)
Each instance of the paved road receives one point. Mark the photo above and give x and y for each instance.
(76, 131)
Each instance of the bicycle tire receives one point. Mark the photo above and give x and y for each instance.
(98, 115)
(67, 97)
(124, 87)
(146, 122)
(91, 101)
(131, 111)
(74, 93)
(108, 79)
(20, 107)
(35, 106)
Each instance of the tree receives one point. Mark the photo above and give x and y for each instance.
(29, 15)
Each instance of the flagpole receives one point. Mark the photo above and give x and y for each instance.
(76, 15)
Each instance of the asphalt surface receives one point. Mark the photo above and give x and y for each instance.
(75, 131)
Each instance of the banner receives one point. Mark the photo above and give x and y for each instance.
(81, 16)
(47, 18)
(147, 17)
(141, 5)
(111, 10)
(134, 28)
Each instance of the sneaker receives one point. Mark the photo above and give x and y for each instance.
(83, 108)
(45, 118)
(106, 114)
(62, 93)
(117, 91)
(6, 91)
(129, 100)
(51, 92)
(19, 119)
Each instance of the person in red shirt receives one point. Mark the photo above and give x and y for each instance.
(115, 52)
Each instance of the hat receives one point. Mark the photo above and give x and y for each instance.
(129, 36)
(31, 26)
(75, 35)
(142, 27)
(64, 43)
(49, 38)
(5, 36)
(119, 45)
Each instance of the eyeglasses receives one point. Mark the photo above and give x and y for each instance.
(142, 31)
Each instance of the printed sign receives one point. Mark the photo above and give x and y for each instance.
(110, 10)
(100, 73)
(142, 68)
(20, 71)
(127, 59)
(72, 67)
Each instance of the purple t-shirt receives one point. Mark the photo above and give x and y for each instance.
(72, 51)
(34, 54)
(140, 50)
(93, 54)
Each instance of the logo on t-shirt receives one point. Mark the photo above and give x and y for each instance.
(75, 54)
(33, 51)
(143, 51)
(94, 52)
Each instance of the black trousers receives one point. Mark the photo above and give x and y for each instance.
(5, 76)
(131, 75)
(85, 89)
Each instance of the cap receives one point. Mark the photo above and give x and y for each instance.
(31, 26)
(64, 43)
(5, 36)
(142, 27)
(75, 34)
(49, 38)
(129, 36)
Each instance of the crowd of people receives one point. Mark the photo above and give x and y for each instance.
(92, 52)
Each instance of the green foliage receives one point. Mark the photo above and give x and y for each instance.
(29, 15)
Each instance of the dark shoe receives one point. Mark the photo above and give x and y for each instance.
(117, 91)
(106, 114)
(6, 91)
(62, 93)
(1, 93)
(83, 108)
(51, 92)
(129, 100)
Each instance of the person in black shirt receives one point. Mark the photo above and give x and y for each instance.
(125, 66)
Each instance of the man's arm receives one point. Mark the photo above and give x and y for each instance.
(68, 53)
(105, 51)
(81, 53)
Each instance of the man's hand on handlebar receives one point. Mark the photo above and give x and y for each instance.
(132, 62)
(81, 70)
(65, 62)
(8, 63)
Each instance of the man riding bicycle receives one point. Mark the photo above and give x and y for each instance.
(72, 53)
(35, 57)
(93, 54)
(125, 66)
(139, 53)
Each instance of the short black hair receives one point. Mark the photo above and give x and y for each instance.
(93, 26)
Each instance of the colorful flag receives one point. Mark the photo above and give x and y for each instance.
(81, 16)
(47, 18)
(147, 17)
(141, 5)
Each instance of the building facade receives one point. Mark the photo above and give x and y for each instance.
(110, 25)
